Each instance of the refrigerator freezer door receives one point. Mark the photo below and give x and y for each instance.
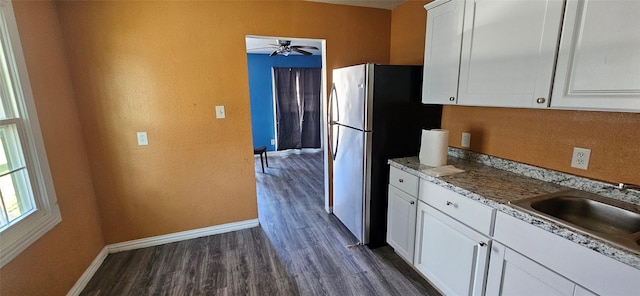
(349, 103)
(348, 181)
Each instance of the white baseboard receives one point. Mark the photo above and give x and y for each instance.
(88, 274)
(156, 241)
(180, 236)
(291, 151)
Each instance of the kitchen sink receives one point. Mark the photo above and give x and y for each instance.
(608, 219)
(590, 214)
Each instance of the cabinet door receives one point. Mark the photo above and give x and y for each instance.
(452, 256)
(513, 274)
(599, 58)
(442, 52)
(508, 52)
(401, 223)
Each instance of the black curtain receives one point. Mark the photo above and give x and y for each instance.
(297, 92)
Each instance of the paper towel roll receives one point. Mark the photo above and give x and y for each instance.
(433, 147)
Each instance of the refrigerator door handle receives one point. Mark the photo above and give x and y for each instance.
(333, 101)
(334, 151)
(333, 148)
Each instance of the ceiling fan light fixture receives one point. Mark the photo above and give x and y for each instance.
(284, 47)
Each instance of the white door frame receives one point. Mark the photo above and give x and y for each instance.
(323, 104)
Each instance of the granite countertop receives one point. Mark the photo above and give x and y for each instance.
(495, 182)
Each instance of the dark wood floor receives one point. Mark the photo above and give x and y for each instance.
(299, 249)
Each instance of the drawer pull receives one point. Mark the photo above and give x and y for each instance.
(412, 202)
(452, 204)
(400, 180)
(482, 244)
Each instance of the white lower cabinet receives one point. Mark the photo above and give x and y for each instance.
(554, 261)
(401, 212)
(451, 255)
(510, 273)
(464, 247)
(401, 223)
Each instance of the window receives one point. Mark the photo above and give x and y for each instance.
(28, 207)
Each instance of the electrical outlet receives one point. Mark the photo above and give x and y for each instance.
(273, 141)
(580, 159)
(466, 140)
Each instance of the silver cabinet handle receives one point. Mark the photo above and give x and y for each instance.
(400, 180)
(541, 100)
(481, 257)
(412, 202)
(452, 99)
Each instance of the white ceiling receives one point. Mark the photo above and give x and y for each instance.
(384, 4)
(265, 45)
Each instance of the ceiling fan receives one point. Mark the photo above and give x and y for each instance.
(285, 48)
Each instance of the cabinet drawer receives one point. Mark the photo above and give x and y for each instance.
(465, 210)
(403, 181)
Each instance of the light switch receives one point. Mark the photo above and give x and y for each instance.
(220, 112)
(143, 140)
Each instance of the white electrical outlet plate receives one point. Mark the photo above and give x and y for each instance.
(273, 141)
(220, 112)
(466, 140)
(580, 159)
(143, 140)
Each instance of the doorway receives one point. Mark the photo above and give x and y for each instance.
(267, 52)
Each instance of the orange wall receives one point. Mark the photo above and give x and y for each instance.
(408, 22)
(53, 264)
(543, 138)
(162, 67)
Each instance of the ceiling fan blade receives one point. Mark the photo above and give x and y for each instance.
(274, 53)
(259, 48)
(304, 52)
(304, 46)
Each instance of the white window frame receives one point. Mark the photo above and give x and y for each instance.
(18, 236)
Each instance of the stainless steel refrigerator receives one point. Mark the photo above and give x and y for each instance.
(375, 113)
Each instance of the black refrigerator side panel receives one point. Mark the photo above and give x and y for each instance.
(398, 119)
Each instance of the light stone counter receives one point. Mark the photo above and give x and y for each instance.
(494, 181)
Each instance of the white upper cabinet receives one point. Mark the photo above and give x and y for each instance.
(508, 52)
(442, 51)
(599, 57)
